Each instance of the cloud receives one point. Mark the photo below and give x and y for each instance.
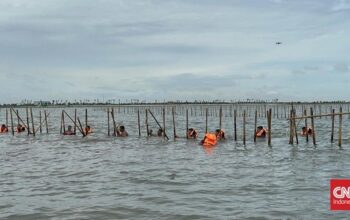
(172, 49)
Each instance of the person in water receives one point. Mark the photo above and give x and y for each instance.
(20, 128)
(88, 130)
(306, 131)
(3, 128)
(261, 132)
(192, 133)
(220, 134)
(160, 132)
(69, 131)
(121, 132)
(209, 140)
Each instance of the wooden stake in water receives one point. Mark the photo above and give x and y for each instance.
(108, 124)
(295, 127)
(313, 126)
(206, 120)
(40, 127)
(332, 134)
(86, 119)
(174, 125)
(148, 134)
(28, 129)
(46, 123)
(187, 123)
(269, 127)
(12, 127)
(31, 116)
(18, 118)
(306, 126)
(164, 123)
(75, 121)
(220, 118)
(7, 122)
(114, 124)
(291, 130)
(61, 127)
(235, 124)
(138, 122)
(340, 126)
(255, 124)
(244, 121)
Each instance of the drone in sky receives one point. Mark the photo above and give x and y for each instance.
(278, 42)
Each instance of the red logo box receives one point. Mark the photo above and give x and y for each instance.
(340, 194)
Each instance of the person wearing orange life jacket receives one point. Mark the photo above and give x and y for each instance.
(209, 140)
(192, 133)
(220, 134)
(3, 128)
(306, 131)
(261, 132)
(88, 130)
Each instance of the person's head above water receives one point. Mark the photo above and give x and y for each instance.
(69, 127)
(260, 127)
(122, 128)
(3, 125)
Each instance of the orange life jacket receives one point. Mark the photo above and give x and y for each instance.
(4, 130)
(210, 139)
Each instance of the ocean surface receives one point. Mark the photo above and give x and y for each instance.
(51, 176)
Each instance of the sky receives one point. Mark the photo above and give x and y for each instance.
(174, 50)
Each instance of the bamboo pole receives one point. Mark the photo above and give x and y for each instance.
(18, 118)
(114, 124)
(75, 121)
(313, 126)
(295, 128)
(235, 124)
(332, 134)
(164, 123)
(40, 127)
(206, 120)
(61, 127)
(174, 125)
(7, 120)
(158, 123)
(12, 127)
(138, 122)
(27, 114)
(306, 126)
(46, 123)
(108, 124)
(31, 116)
(220, 118)
(63, 123)
(244, 121)
(340, 127)
(186, 123)
(255, 124)
(269, 124)
(40, 124)
(79, 128)
(146, 112)
(86, 118)
(291, 130)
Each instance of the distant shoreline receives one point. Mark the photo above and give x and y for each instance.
(69, 104)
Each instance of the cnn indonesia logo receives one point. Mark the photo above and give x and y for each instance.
(340, 194)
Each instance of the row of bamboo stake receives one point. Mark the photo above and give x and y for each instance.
(293, 134)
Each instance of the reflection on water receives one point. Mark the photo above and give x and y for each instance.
(101, 177)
